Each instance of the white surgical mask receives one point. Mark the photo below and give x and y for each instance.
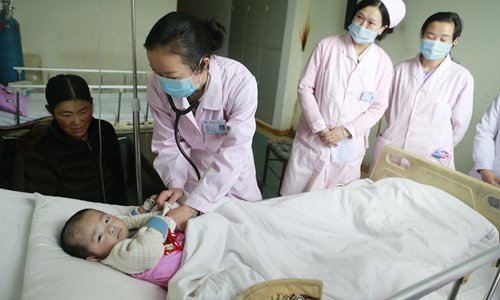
(433, 50)
(361, 35)
(177, 88)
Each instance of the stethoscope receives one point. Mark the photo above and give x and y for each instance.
(178, 114)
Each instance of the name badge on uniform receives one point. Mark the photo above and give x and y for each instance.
(215, 126)
(367, 97)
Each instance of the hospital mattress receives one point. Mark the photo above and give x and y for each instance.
(380, 236)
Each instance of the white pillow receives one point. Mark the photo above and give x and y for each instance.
(50, 273)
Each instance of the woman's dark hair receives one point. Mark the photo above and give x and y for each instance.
(449, 17)
(65, 87)
(184, 35)
(383, 11)
(68, 233)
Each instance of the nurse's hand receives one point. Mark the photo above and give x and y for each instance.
(170, 196)
(331, 136)
(181, 215)
(326, 135)
(489, 177)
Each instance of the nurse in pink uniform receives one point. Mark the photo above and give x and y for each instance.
(216, 134)
(431, 101)
(343, 93)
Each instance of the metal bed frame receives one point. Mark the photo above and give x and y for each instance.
(20, 86)
(471, 191)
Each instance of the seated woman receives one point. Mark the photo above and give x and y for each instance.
(78, 156)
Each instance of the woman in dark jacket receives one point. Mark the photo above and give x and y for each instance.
(78, 156)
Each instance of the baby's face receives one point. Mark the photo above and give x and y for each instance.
(99, 232)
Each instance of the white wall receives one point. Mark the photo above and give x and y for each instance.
(325, 17)
(71, 33)
(476, 50)
(87, 34)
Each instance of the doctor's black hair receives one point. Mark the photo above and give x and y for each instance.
(383, 11)
(190, 38)
(449, 17)
(64, 87)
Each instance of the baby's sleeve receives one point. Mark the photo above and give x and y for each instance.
(142, 251)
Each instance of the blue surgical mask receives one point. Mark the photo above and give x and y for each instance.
(433, 50)
(177, 88)
(361, 35)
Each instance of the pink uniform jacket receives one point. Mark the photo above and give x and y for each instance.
(486, 149)
(428, 116)
(225, 160)
(335, 90)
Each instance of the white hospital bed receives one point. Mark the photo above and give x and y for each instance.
(367, 240)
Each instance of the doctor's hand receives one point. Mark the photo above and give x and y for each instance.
(489, 177)
(170, 196)
(181, 215)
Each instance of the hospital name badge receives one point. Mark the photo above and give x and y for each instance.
(367, 97)
(215, 126)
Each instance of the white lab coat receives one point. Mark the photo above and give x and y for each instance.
(425, 116)
(330, 93)
(225, 160)
(486, 147)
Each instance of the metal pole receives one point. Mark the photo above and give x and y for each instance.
(494, 284)
(136, 108)
(436, 281)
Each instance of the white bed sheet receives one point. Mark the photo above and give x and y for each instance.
(213, 264)
(15, 215)
(108, 108)
(363, 242)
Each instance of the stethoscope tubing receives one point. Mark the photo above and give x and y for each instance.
(178, 114)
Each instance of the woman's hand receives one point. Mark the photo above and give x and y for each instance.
(331, 136)
(181, 215)
(170, 196)
(326, 136)
(489, 177)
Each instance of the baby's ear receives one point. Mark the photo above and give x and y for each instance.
(93, 258)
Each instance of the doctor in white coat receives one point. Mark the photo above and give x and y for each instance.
(432, 97)
(343, 93)
(219, 98)
(486, 147)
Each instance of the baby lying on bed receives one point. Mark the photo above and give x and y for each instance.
(153, 253)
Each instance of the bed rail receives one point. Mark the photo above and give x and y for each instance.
(20, 69)
(92, 87)
(454, 274)
(476, 193)
(395, 162)
(19, 86)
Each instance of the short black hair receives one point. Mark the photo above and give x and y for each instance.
(184, 35)
(449, 17)
(64, 87)
(68, 243)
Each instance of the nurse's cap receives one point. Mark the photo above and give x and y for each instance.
(396, 10)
